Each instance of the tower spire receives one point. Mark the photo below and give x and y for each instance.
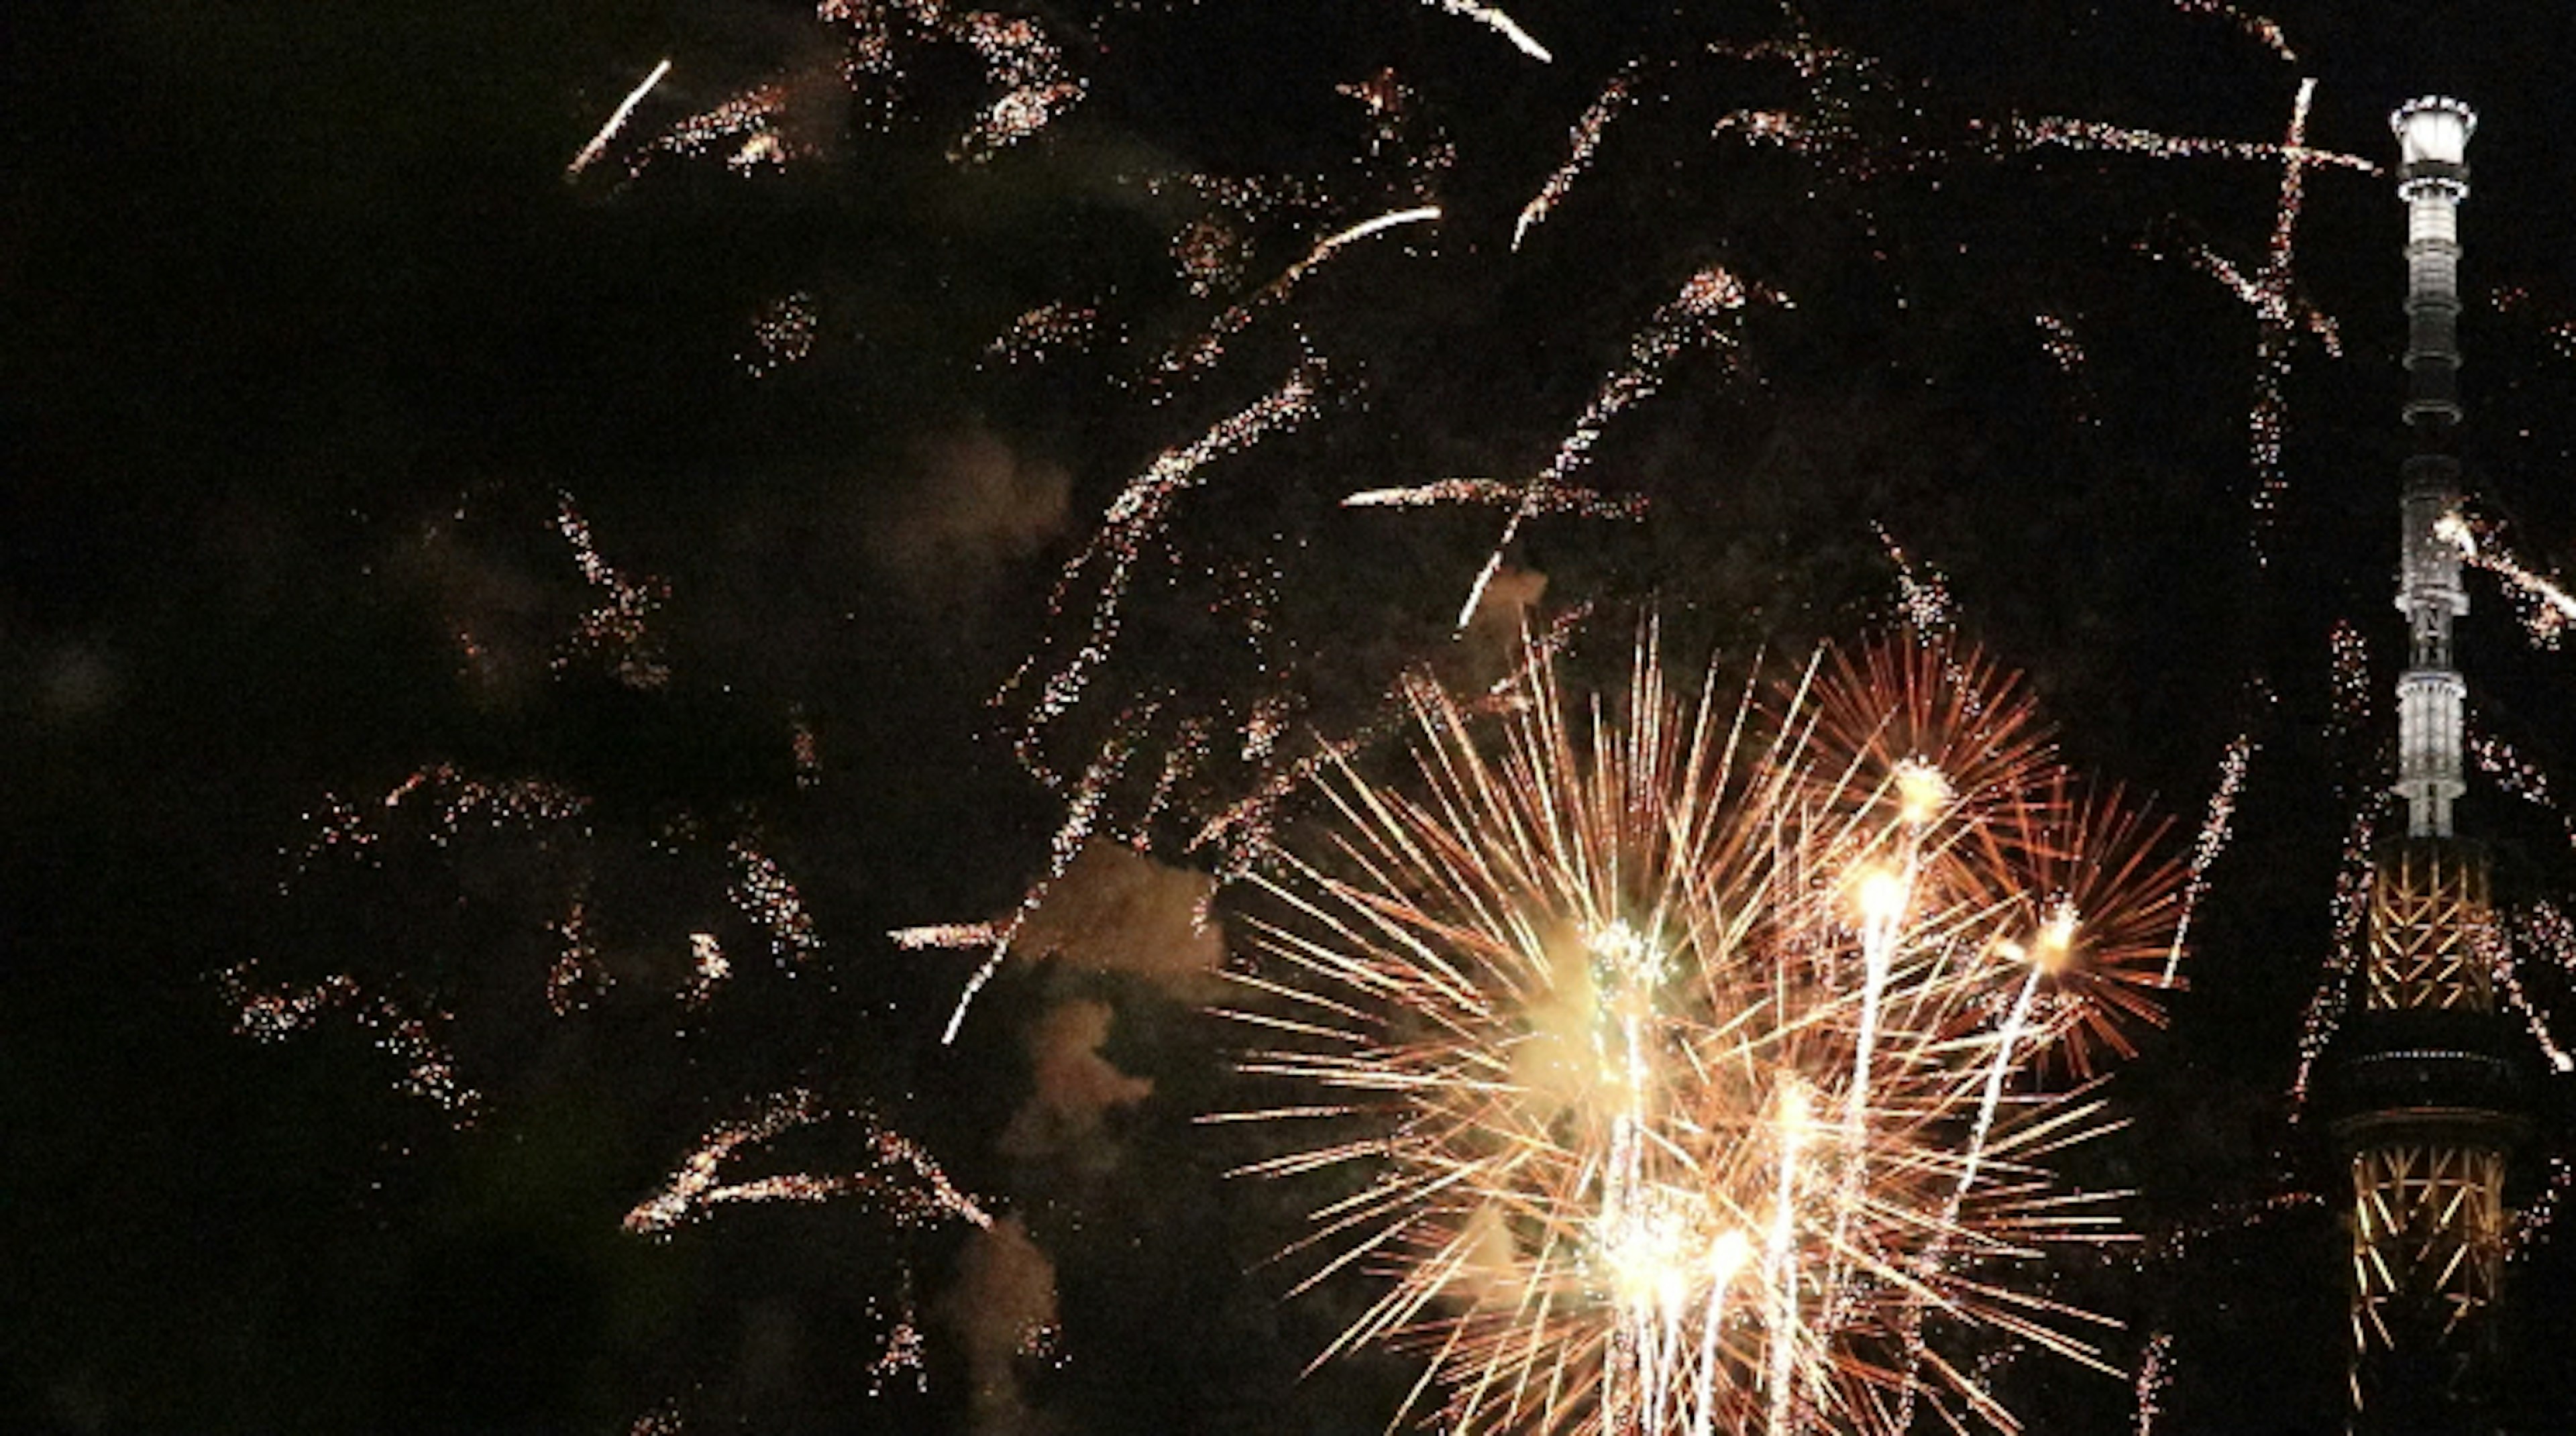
(2432, 178)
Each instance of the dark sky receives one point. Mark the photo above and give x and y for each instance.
(317, 361)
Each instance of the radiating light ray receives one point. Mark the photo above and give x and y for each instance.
(1707, 300)
(616, 121)
(902, 1180)
(1600, 991)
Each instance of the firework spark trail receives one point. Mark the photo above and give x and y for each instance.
(2076, 133)
(1565, 499)
(762, 890)
(1500, 23)
(2279, 312)
(1591, 993)
(2497, 950)
(410, 1037)
(2552, 609)
(1692, 317)
(1585, 140)
(1244, 831)
(748, 122)
(1210, 344)
(2065, 349)
(1136, 518)
(616, 121)
(2155, 1373)
(1039, 334)
(2257, 27)
(1923, 593)
(2351, 906)
(2532, 1224)
(2216, 826)
(904, 1181)
(2519, 777)
(1082, 813)
(615, 630)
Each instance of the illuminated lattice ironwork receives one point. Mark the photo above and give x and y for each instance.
(2427, 1253)
(2428, 903)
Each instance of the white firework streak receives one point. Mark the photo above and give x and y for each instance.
(1586, 137)
(1691, 317)
(1082, 813)
(616, 121)
(1211, 343)
(1500, 23)
(2215, 829)
(1588, 503)
(905, 1182)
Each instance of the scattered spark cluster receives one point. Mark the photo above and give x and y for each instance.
(615, 631)
(2066, 351)
(1699, 1051)
(1043, 332)
(782, 334)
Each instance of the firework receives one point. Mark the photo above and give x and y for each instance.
(902, 1179)
(2546, 608)
(1708, 300)
(616, 121)
(615, 630)
(1693, 1047)
(1586, 138)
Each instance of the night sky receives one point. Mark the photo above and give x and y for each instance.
(678, 529)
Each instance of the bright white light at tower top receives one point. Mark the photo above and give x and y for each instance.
(2434, 130)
